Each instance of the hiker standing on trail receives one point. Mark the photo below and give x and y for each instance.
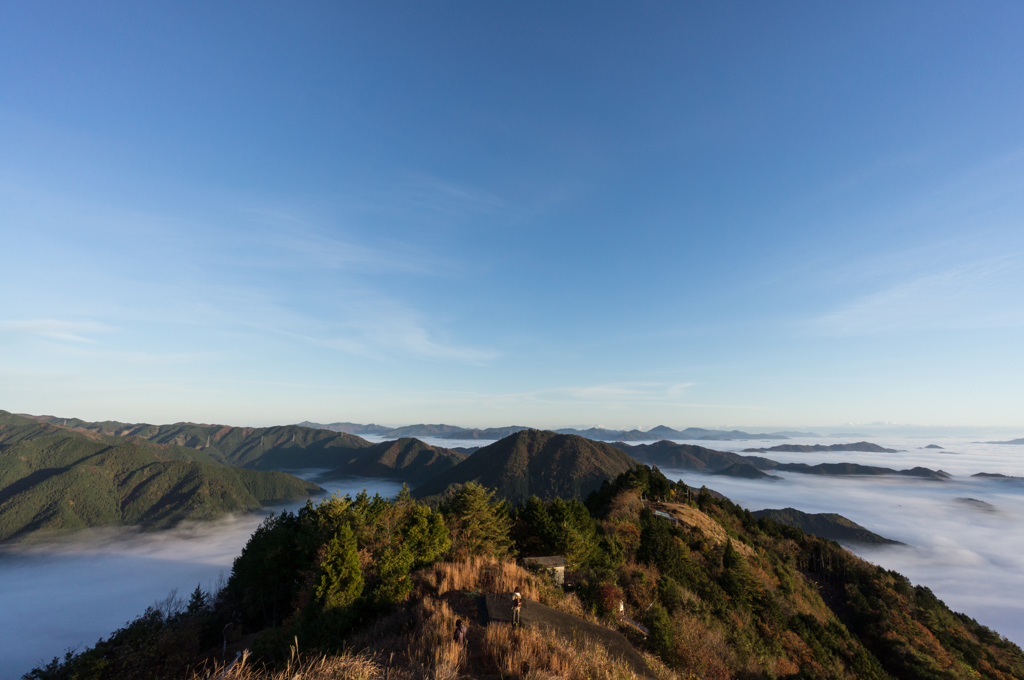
(460, 635)
(517, 604)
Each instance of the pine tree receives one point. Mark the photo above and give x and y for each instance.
(480, 525)
(426, 536)
(198, 602)
(341, 579)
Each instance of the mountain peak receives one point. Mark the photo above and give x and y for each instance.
(536, 462)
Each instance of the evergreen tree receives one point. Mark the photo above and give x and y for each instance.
(426, 535)
(669, 593)
(479, 524)
(393, 581)
(537, 531)
(341, 579)
(425, 538)
(198, 602)
(662, 637)
(575, 532)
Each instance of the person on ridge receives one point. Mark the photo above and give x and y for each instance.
(517, 604)
(460, 635)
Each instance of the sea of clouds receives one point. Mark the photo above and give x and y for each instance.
(70, 593)
(971, 556)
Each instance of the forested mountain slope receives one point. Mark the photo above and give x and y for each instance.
(283, 447)
(668, 454)
(407, 459)
(56, 479)
(536, 462)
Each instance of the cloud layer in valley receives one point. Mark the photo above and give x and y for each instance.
(970, 556)
(68, 594)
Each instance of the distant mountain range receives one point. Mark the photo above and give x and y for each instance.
(826, 525)
(348, 428)
(1015, 442)
(853, 469)
(815, 448)
(156, 475)
(594, 433)
(671, 455)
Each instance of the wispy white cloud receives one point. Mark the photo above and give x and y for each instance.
(289, 239)
(356, 322)
(55, 329)
(986, 294)
(381, 336)
(449, 194)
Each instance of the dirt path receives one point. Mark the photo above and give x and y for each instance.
(535, 614)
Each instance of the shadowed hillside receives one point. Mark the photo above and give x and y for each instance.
(536, 462)
(852, 469)
(407, 459)
(669, 454)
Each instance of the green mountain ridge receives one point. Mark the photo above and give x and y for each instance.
(854, 470)
(668, 454)
(56, 479)
(536, 462)
(407, 459)
(282, 447)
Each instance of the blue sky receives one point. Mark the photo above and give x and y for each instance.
(487, 214)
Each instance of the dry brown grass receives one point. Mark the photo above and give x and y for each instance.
(432, 648)
(515, 654)
(489, 575)
(481, 574)
(319, 667)
(531, 654)
(420, 640)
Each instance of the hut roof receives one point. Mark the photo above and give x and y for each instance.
(550, 561)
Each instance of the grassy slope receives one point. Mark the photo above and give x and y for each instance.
(280, 447)
(408, 459)
(53, 478)
(536, 462)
